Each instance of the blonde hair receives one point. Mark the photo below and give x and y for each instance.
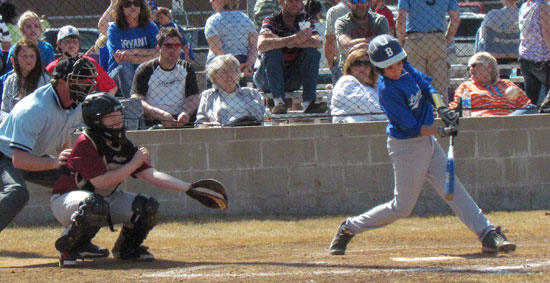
(221, 61)
(485, 58)
(27, 16)
(355, 56)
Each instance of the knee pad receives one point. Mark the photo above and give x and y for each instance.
(93, 211)
(145, 210)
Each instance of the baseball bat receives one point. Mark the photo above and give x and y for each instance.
(450, 173)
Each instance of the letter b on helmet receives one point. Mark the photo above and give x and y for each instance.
(385, 50)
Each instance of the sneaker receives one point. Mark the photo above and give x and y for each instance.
(496, 241)
(279, 109)
(90, 250)
(67, 259)
(315, 107)
(341, 240)
(140, 253)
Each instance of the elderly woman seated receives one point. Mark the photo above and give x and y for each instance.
(491, 96)
(354, 97)
(227, 104)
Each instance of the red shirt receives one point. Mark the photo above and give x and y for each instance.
(386, 12)
(104, 82)
(86, 163)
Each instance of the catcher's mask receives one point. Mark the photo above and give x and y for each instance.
(95, 107)
(80, 74)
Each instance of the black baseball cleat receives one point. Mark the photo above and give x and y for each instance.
(341, 240)
(90, 250)
(67, 259)
(496, 241)
(140, 253)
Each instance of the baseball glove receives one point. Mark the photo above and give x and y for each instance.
(210, 193)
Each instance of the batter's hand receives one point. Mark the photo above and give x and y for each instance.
(450, 130)
(448, 116)
(63, 157)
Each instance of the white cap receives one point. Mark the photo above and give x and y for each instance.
(67, 31)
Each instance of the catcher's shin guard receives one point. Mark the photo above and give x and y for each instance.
(92, 213)
(128, 244)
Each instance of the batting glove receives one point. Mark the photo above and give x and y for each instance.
(448, 116)
(450, 130)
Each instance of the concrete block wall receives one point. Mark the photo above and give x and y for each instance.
(335, 168)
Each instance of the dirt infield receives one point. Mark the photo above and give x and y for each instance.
(284, 249)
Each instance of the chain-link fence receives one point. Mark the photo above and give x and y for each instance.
(315, 68)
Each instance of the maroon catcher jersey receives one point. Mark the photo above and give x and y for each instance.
(86, 162)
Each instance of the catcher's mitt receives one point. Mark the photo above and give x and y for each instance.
(210, 193)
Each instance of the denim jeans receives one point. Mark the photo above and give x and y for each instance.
(536, 76)
(273, 76)
(14, 195)
(123, 75)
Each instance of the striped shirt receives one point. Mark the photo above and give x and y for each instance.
(491, 101)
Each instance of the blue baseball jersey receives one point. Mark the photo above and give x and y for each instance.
(131, 38)
(407, 102)
(38, 123)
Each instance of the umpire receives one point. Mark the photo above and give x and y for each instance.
(39, 124)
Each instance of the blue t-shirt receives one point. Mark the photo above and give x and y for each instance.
(184, 38)
(131, 38)
(38, 123)
(426, 16)
(407, 102)
(233, 28)
(46, 54)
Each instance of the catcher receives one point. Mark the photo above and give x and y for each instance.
(86, 198)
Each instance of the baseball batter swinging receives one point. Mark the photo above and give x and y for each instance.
(86, 197)
(406, 96)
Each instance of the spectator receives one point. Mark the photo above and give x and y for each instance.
(499, 34)
(164, 20)
(263, 9)
(331, 47)
(290, 57)
(491, 96)
(5, 37)
(29, 24)
(28, 75)
(381, 9)
(40, 124)
(227, 104)
(167, 85)
(421, 31)
(9, 15)
(131, 40)
(358, 27)
(534, 48)
(68, 44)
(355, 92)
(229, 31)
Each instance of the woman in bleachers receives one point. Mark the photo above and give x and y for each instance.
(29, 25)
(227, 104)
(354, 97)
(229, 31)
(131, 40)
(28, 75)
(491, 96)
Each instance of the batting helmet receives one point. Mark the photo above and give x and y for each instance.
(385, 50)
(80, 74)
(96, 106)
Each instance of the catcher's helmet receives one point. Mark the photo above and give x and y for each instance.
(385, 50)
(96, 106)
(80, 74)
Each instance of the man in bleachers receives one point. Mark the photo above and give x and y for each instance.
(68, 44)
(288, 46)
(424, 33)
(167, 85)
(331, 46)
(356, 29)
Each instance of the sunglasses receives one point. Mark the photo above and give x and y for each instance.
(361, 63)
(128, 4)
(359, 1)
(171, 45)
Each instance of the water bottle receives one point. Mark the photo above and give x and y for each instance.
(466, 104)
